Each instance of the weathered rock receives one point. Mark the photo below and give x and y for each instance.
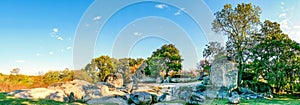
(159, 80)
(224, 73)
(140, 98)
(129, 87)
(200, 88)
(108, 100)
(115, 79)
(163, 97)
(234, 99)
(196, 99)
(71, 97)
(40, 93)
(104, 90)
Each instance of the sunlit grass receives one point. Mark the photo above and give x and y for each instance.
(10, 100)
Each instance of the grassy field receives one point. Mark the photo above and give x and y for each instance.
(278, 100)
(10, 100)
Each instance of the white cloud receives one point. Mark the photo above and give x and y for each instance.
(296, 26)
(137, 34)
(161, 6)
(38, 54)
(51, 53)
(20, 61)
(282, 3)
(69, 48)
(59, 38)
(55, 30)
(284, 24)
(97, 18)
(179, 11)
(282, 15)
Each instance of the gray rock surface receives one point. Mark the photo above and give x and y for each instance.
(224, 73)
(140, 98)
(40, 93)
(196, 99)
(235, 99)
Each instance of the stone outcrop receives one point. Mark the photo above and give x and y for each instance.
(224, 73)
(40, 93)
(115, 79)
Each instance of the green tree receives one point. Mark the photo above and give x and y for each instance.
(170, 55)
(240, 25)
(275, 56)
(155, 65)
(100, 67)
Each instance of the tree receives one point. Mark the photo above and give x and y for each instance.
(212, 51)
(170, 55)
(155, 66)
(100, 67)
(240, 25)
(275, 56)
(15, 71)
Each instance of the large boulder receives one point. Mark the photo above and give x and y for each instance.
(108, 100)
(81, 89)
(115, 79)
(140, 98)
(224, 73)
(40, 93)
(196, 99)
(104, 90)
(234, 99)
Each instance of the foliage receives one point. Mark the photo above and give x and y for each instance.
(276, 56)
(239, 24)
(58, 76)
(213, 50)
(82, 75)
(168, 55)
(155, 66)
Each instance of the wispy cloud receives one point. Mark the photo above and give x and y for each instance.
(37, 54)
(96, 18)
(69, 48)
(179, 11)
(282, 15)
(20, 61)
(137, 33)
(59, 38)
(55, 30)
(50, 53)
(55, 34)
(161, 6)
(289, 27)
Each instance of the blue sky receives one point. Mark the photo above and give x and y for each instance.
(39, 35)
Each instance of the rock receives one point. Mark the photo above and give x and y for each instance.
(196, 99)
(246, 91)
(234, 99)
(40, 93)
(140, 98)
(159, 80)
(224, 73)
(108, 100)
(167, 80)
(104, 90)
(163, 97)
(129, 87)
(200, 88)
(71, 97)
(115, 79)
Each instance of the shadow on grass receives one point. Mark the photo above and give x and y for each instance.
(10, 100)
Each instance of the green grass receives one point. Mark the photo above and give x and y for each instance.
(10, 100)
(278, 100)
